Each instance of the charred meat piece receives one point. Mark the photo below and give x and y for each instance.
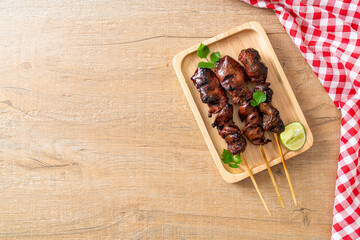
(264, 87)
(233, 137)
(232, 78)
(224, 116)
(210, 89)
(271, 118)
(229, 131)
(254, 67)
(252, 129)
(245, 109)
(270, 115)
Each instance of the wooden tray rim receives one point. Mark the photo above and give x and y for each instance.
(177, 63)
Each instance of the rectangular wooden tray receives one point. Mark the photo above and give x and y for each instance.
(231, 42)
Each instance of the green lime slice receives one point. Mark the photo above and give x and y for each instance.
(293, 137)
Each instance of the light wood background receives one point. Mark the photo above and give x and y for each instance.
(97, 140)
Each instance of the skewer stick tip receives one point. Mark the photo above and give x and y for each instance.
(255, 184)
(285, 169)
(271, 176)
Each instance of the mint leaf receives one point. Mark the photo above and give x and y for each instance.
(237, 159)
(206, 65)
(232, 165)
(253, 103)
(203, 51)
(214, 57)
(259, 97)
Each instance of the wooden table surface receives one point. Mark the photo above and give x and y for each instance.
(97, 140)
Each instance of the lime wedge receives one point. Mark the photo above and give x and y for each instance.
(294, 137)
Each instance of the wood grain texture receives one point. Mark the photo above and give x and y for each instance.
(231, 42)
(97, 140)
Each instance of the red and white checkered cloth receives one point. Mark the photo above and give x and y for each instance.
(327, 33)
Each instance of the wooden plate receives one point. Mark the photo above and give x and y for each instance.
(231, 43)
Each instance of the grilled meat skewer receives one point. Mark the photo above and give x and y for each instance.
(257, 71)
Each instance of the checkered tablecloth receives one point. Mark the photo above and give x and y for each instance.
(327, 34)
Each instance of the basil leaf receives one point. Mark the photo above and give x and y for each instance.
(206, 65)
(203, 51)
(214, 57)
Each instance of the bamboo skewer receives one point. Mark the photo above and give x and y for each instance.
(255, 184)
(271, 175)
(286, 170)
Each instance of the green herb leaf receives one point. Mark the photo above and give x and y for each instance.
(253, 103)
(214, 57)
(203, 51)
(259, 97)
(232, 165)
(206, 65)
(226, 157)
(237, 159)
(231, 160)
